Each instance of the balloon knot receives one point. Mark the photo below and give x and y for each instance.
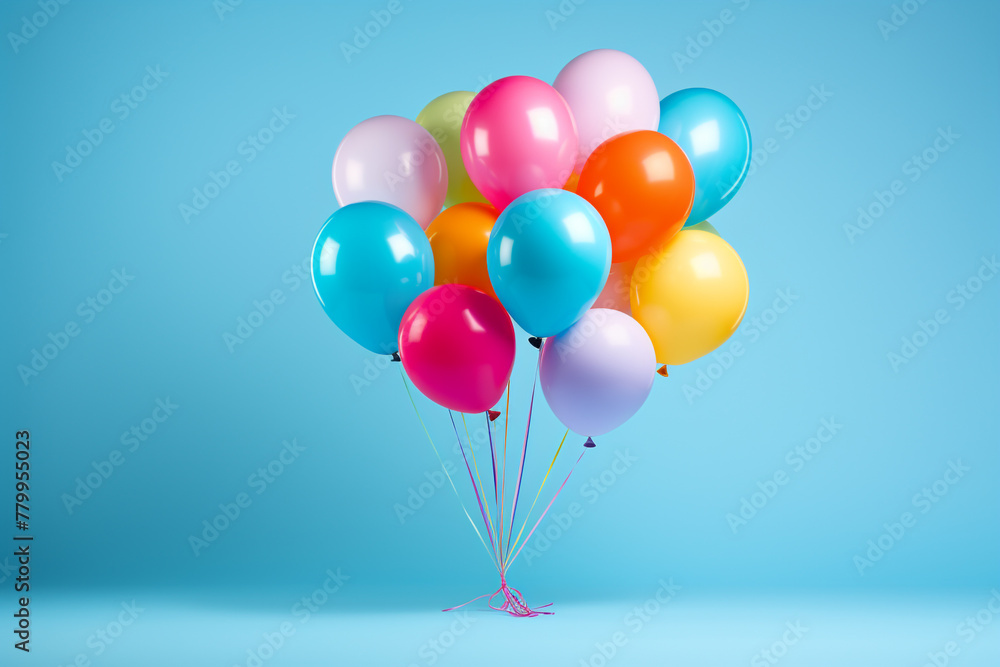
(395, 356)
(662, 370)
(590, 443)
(493, 414)
(536, 342)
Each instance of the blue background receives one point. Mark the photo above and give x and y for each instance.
(364, 456)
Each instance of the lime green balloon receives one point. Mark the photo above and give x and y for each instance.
(443, 119)
(705, 226)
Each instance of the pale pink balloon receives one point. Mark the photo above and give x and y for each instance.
(393, 160)
(609, 92)
(518, 135)
(615, 294)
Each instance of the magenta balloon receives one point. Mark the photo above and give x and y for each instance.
(393, 160)
(457, 345)
(598, 373)
(518, 135)
(609, 92)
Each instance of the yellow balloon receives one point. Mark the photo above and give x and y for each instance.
(690, 295)
(442, 117)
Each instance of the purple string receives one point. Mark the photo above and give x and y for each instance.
(473, 480)
(524, 449)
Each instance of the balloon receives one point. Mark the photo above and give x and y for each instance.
(369, 262)
(609, 92)
(442, 117)
(617, 291)
(598, 373)
(457, 345)
(704, 225)
(548, 258)
(642, 185)
(459, 236)
(393, 160)
(716, 138)
(689, 296)
(518, 135)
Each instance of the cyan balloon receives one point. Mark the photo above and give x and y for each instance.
(369, 262)
(714, 135)
(548, 258)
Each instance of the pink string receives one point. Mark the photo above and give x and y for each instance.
(513, 604)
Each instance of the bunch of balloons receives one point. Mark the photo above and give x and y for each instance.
(577, 209)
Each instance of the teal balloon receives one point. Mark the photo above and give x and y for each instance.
(369, 262)
(713, 133)
(548, 257)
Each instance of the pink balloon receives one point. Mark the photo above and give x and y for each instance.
(609, 92)
(393, 160)
(518, 135)
(457, 345)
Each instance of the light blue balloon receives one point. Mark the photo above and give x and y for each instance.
(548, 257)
(714, 135)
(369, 262)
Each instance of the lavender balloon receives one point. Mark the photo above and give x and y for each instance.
(391, 159)
(598, 373)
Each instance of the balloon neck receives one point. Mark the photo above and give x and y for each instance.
(662, 370)
(395, 356)
(493, 414)
(536, 342)
(590, 443)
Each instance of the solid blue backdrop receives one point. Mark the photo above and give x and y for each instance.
(166, 167)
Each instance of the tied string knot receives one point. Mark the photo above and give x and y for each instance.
(513, 602)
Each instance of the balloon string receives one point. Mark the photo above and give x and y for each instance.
(446, 474)
(511, 560)
(503, 471)
(531, 509)
(524, 449)
(514, 603)
(482, 487)
(496, 490)
(473, 480)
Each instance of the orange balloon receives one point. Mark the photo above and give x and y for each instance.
(642, 184)
(458, 237)
(571, 183)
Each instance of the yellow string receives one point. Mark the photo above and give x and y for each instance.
(518, 539)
